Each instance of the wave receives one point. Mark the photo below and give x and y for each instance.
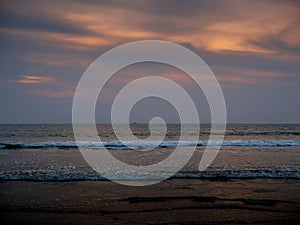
(129, 145)
(132, 145)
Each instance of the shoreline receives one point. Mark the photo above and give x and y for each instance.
(222, 178)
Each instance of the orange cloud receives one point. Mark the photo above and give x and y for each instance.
(258, 73)
(237, 79)
(68, 41)
(56, 59)
(32, 79)
(254, 77)
(236, 27)
(223, 32)
(52, 90)
(239, 28)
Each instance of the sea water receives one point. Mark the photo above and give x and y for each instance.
(50, 152)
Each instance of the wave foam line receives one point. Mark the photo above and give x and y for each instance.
(130, 145)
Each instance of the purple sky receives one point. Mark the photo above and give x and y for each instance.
(253, 47)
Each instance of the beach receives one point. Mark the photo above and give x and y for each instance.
(254, 179)
(150, 112)
(175, 201)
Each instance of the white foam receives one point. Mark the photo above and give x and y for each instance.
(127, 145)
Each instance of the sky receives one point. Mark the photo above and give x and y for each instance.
(253, 48)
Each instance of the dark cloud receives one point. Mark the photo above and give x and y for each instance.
(13, 20)
(278, 45)
(166, 7)
(285, 42)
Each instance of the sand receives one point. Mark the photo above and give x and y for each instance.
(175, 201)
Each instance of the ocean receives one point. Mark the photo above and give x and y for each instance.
(48, 152)
(254, 179)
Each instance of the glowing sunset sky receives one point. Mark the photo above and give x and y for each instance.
(253, 47)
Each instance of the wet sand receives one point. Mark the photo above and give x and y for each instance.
(175, 201)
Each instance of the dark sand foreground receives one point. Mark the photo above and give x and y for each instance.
(176, 201)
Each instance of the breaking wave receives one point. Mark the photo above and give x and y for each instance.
(130, 145)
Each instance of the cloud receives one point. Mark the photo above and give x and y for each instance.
(16, 18)
(234, 77)
(235, 34)
(231, 81)
(57, 59)
(50, 93)
(46, 86)
(237, 26)
(249, 45)
(33, 79)
(62, 40)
